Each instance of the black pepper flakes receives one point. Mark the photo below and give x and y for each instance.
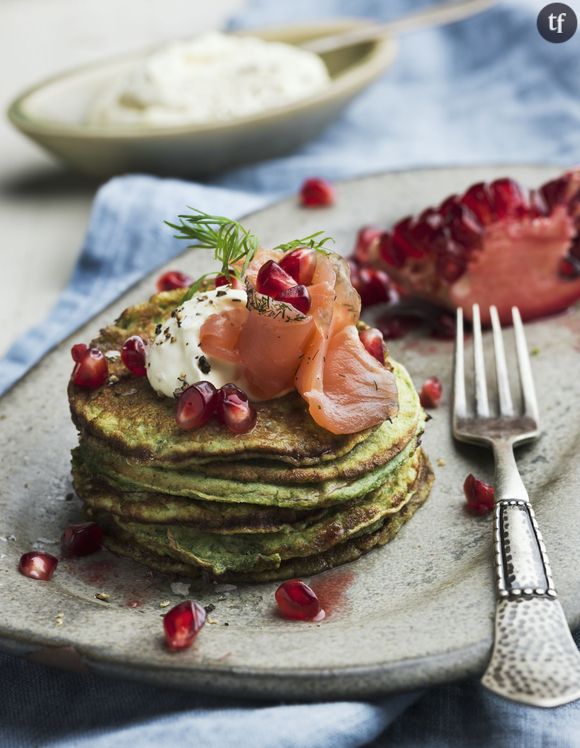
(204, 365)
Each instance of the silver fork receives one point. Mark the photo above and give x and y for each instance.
(534, 658)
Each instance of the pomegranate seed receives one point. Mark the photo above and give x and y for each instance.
(81, 539)
(479, 495)
(554, 192)
(297, 296)
(431, 391)
(182, 624)
(232, 281)
(196, 405)
(300, 264)
(317, 193)
(478, 200)
(391, 253)
(272, 279)
(37, 565)
(404, 240)
(133, 355)
(173, 279)
(366, 239)
(464, 228)
(569, 268)
(372, 339)
(91, 368)
(297, 601)
(374, 286)
(234, 410)
(79, 351)
(508, 198)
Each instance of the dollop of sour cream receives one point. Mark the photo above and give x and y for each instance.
(214, 77)
(175, 359)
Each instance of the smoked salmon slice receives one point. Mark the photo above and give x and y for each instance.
(319, 354)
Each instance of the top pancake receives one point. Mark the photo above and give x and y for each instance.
(132, 419)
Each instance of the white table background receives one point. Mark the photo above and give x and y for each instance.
(44, 209)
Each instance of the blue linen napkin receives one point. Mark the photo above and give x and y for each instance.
(484, 91)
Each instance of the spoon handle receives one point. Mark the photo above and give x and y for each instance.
(437, 15)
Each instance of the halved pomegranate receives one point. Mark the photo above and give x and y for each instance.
(431, 392)
(297, 296)
(133, 355)
(480, 496)
(196, 405)
(234, 410)
(173, 279)
(373, 341)
(300, 264)
(317, 193)
(81, 539)
(37, 565)
(91, 369)
(297, 601)
(182, 624)
(497, 244)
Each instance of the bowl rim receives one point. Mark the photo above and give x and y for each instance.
(380, 56)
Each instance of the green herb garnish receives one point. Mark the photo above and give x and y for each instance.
(231, 243)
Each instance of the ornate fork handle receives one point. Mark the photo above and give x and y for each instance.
(534, 658)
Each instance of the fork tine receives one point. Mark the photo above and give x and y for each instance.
(506, 407)
(459, 402)
(526, 378)
(481, 401)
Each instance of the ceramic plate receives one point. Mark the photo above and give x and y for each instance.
(52, 113)
(416, 612)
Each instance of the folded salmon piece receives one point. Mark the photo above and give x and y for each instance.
(319, 354)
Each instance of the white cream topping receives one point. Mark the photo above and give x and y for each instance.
(214, 77)
(175, 359)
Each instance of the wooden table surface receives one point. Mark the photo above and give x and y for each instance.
(43, 208)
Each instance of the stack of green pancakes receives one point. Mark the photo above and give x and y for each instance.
(286, 499)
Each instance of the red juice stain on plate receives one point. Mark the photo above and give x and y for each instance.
(331, 589)
(98, 572)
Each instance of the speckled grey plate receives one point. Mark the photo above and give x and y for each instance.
(416, 612)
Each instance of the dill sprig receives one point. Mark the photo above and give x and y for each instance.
(231, 242)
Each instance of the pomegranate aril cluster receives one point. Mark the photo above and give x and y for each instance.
(230, 404)
(286, 281)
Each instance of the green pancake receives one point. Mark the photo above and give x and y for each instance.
(118, 541)
(243, 553)
(131, 418)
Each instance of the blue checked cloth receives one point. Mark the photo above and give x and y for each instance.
(488, 90)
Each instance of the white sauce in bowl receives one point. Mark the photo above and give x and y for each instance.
(213, 78)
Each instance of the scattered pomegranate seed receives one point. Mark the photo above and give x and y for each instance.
(182, 624)
(232, 281)
(366, 239)
(91, 368)
(133, 355)
(317, 193)
(480, 496)
(297, 296)
(431, 391)
(272, 279)
(81, 539)
(196, 405)
(297, 601)
(234, 410)
(79, 351)
(300, 264)
(173, 279)
(372, 339)
(374, 286)
(37, 565)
